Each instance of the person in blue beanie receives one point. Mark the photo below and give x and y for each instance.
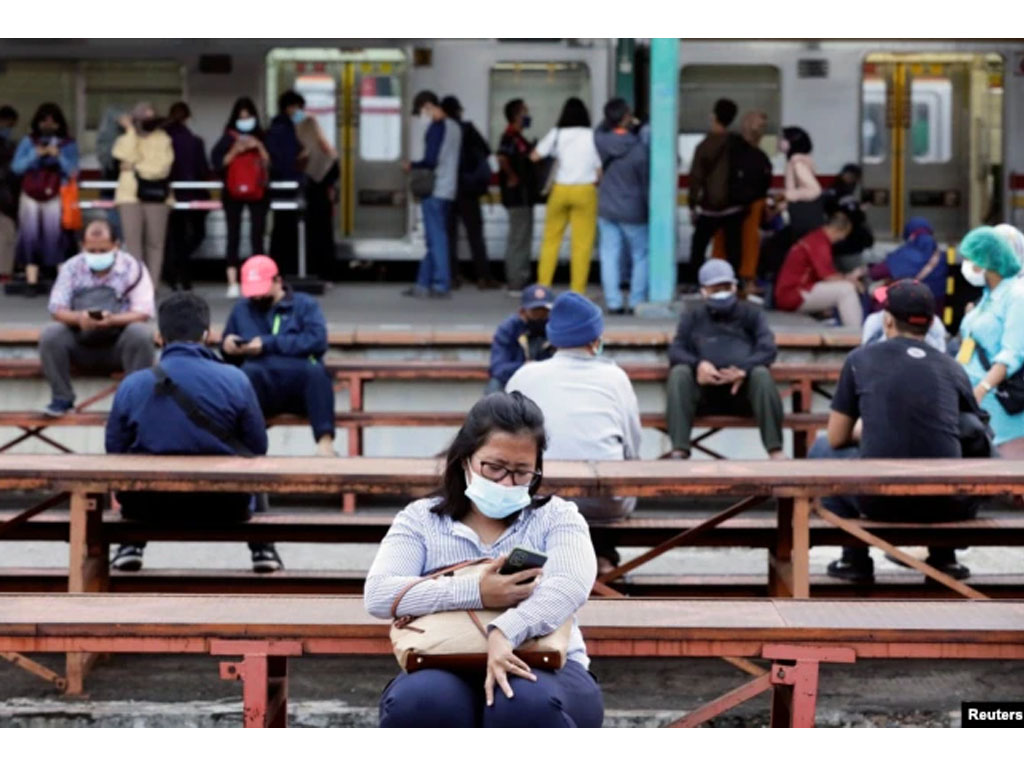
(522, 337)
(589, 406)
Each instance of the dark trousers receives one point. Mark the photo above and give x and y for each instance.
(60, 347)
(257, 226)
(467, 209)
(437, 698)
(191, 510)
(923, 509)
(758, 396)
(284, 241)
(294, 385)
(186, 231)
(320, 250)
(703, 230)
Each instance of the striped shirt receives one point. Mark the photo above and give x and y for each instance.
(420, 542)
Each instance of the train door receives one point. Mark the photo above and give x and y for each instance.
(931, 140)
(357, 97)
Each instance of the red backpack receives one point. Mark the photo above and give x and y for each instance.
(246, 177)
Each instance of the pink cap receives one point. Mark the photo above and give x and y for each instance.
(258, 273)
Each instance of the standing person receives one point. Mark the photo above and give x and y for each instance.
(474, 181)
(286, 158)
(146, 156)
(710, 207)
(521, 337)
(573, 198)
(622, 204)
(281, 337)
(45, 158)
(992, 346)
(186, 229)
(441, 151)
(519, 193)
(488, 505)
(321, 191)
(242, 161)
(8, 191)
(809, 282)
(803, 190)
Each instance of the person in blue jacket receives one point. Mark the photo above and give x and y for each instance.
(146, 418)
(280, 338)
(919, 258)
(286, 157)
(521, 337)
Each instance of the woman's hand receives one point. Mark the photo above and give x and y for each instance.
(125, 121)
(979, 393)
(501, 662)
(497, 591)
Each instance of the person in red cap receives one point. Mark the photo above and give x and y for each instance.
(879, 412)
(280, 338)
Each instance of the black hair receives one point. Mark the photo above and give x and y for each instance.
(574, 114)
(104, 221)
(910, 330)
(498, 412)
(725, 112)
(289, 99)
(179, 112)
(840, 219)
(799, 140)
(513, 109)
(422, 99)
(7, 112)
(183, 316)
(49, 109)
(614, 111)
(244, 102)
(851, 168)
(452, 107)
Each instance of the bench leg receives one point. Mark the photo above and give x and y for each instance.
(263, 671)
(88, 571)
(355, 435)
(780, 557)
(794, 695)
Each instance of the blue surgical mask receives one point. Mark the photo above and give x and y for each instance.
(600, 348)
(245, 124)
(527, 122)
(722, 301)
(298, 116)
(494, 500)
(100, 262)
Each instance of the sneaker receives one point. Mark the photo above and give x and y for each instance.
(859, 572)
(127, 558)
(265, 559)
(58, 408)
(416, 292)
(233, 291)
(951, 568)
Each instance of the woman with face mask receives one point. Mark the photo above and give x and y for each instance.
(992, 333)
(241, 157)
(486, 507)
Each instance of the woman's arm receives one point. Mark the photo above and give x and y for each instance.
(25, 157)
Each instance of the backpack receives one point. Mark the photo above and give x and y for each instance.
(750, 171)
(474, 168)
(247, 177)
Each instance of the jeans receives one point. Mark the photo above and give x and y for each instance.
(433, 273)
(757, 395)
(437, 698)
(59, 347)
(294, 385)
(616, 238)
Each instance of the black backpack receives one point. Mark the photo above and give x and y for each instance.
(474, 168)
(750, 171)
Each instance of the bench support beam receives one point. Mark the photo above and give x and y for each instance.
(263, 671)
(88, 571)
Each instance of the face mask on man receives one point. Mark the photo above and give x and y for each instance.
(245, 124)
(262, 303)
(100, 262)
(722, 301)
(298, 116)
(494, 500)
(527, 121)
(977, 279)
(537, 327)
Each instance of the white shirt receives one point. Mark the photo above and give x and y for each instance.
(578, 161)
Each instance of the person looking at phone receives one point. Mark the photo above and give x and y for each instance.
(101, 304)
(279, 337)
(488, 507)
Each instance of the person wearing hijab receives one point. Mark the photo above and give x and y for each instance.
(992, 333)
(918, 258)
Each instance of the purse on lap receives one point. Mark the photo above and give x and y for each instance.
(458, 639)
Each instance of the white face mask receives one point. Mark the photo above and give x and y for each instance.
(495, 500)
(977, 279)
(100, 262)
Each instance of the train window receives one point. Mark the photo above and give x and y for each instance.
(752, 87)
(380, 114)
(931, 124)
(27, 84)
(544, 84)
(874, 136)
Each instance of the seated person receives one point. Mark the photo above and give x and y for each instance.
(487, 506)
(282, 337)
(101, 302)
(844, 195)
(521, 337)
(879, 409)
(874, 331)
(808, 281)
(588, 402)
(720, 358)
(919, 258)
(149, 417)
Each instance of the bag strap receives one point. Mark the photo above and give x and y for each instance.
(138, 277)
(983, 358)
(443, 572)
(166, 386)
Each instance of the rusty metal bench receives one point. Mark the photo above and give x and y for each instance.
(796, 637)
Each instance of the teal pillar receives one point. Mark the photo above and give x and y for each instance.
(625, 50)
(664, 172)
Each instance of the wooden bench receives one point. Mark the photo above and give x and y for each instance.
(794, 636)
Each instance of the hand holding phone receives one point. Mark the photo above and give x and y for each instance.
(96, 314)
(522, 559)
(510, 580)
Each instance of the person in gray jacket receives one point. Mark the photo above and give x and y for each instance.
(622, 205)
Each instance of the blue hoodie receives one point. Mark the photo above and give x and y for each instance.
(300, 332)
(625, 160)
(510, 348)
(909, 259)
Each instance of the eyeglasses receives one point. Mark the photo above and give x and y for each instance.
(498, 472)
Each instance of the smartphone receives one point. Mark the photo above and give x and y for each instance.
(96, 314)
(522, 559)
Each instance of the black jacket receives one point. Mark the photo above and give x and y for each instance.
(741, 338)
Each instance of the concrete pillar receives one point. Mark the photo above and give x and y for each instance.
(664, 171)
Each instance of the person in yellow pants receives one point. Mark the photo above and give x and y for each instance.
(574, 205)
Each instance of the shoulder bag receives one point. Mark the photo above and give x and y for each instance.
(1010, 393)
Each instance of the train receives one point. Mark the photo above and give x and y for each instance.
(937, 125)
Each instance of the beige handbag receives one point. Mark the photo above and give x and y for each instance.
(458, 639)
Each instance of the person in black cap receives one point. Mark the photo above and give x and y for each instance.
(521, 337)
(879, 411)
